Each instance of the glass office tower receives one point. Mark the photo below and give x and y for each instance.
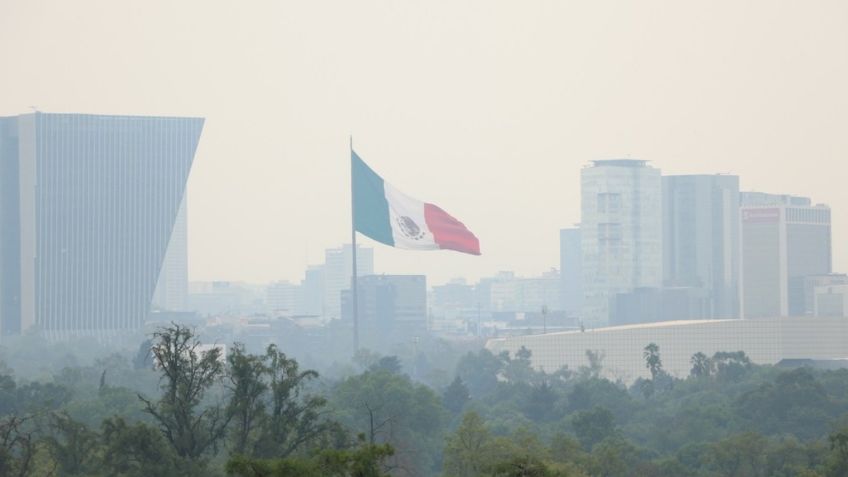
(88, 208)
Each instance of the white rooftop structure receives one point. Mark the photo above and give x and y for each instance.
(765, 341)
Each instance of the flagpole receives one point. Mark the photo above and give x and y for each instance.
(353, 254)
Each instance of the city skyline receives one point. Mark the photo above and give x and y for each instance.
(509, 103)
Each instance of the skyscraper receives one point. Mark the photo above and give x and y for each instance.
(571, 271)
(171, 292)
(89, 205)
(338, 272)
(621, 232)
(784, 240)
(701, 239)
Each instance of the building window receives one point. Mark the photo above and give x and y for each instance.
(609, 233)
(609, 202)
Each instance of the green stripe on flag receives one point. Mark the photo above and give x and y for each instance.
(370, 207)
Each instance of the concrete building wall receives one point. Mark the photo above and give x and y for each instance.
(765, 341)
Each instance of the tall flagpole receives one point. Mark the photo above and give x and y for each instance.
(354, 280)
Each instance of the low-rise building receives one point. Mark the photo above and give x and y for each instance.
(765, 341)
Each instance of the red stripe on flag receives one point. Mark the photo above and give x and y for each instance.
(448, 232)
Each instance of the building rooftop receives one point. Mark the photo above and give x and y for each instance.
(652, 325)
(620, 163)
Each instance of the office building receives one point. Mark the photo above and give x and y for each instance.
(453, 300)
(225, 298)
(532, 294)
(812, 284)
(701, 239)
(89, 206)
(571, 273)
(784, 239)
(620, 232)
(338, 273)
(392, 309)
(171, 292)
(831, 300)
(283, 297)
(312, 292)
(647, 305)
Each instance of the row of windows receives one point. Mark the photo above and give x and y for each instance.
(813, 216)
(108, 191)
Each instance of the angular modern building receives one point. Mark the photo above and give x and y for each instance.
(171, 293)
(701, 240)
(88, 208)
(621, 233)
(784, 240)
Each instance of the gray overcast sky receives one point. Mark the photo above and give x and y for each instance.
(486, 108)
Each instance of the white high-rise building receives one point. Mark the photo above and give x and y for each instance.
(621, 233)
(338, 271)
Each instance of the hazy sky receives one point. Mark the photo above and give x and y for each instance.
(486, 108)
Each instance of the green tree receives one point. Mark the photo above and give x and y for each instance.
(522, 466)
(567, 451)
(366, 460)
(615, 456)
(702, 366)
(390, 408)
(593, 426)
(738, 455)
(540, 404)
(456, 396)
(75, 448)
(839, 446)
(468, 450)
(247, 387)
(18, 446)
(295, 418)
(653, 361)
(387, 363)
(143, 358)
(480, 372)
(140, 450)
(187, 373)
(596, 365)
(731, 366)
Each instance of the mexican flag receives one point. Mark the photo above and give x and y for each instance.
(389, 216)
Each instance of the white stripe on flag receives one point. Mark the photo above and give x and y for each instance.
(409, 228)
